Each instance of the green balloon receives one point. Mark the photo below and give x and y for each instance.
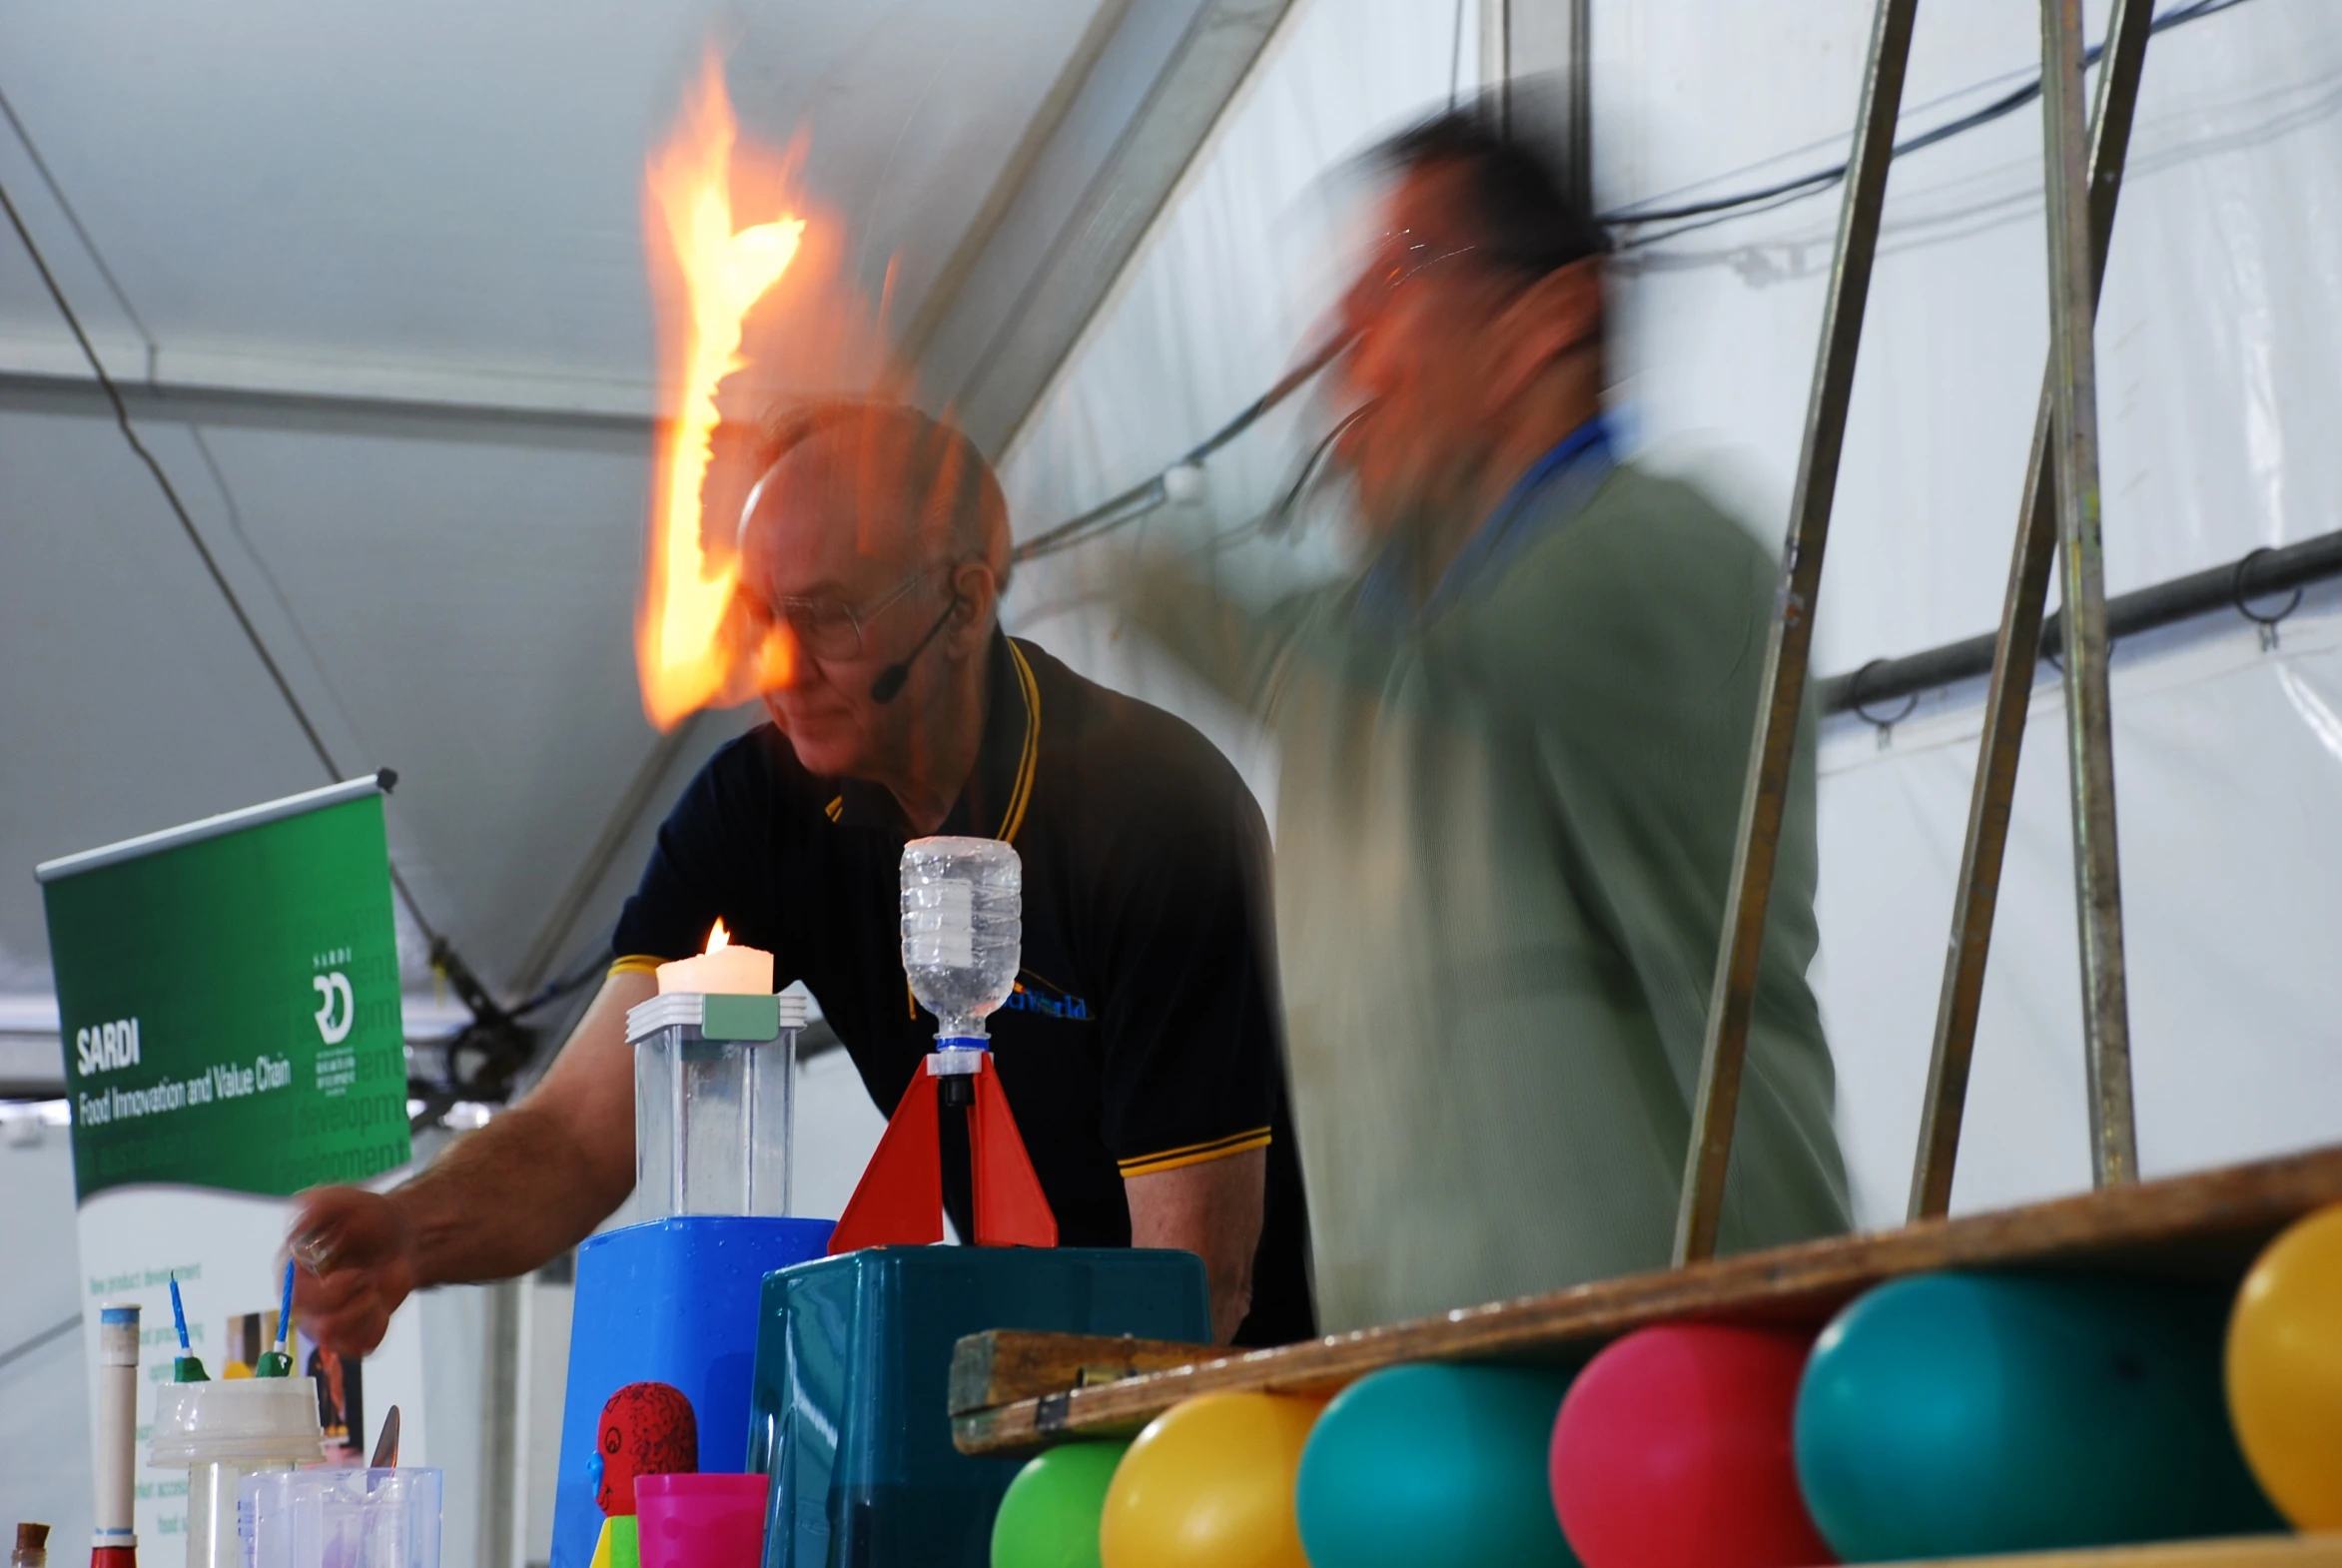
(1049, 1516)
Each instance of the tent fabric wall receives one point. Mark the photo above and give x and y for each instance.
(2219, 341)
(2217, 338)
(2228, 766)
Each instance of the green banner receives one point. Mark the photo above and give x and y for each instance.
(229, 1002)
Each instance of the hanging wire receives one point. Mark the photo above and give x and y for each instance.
(1143, 498)
(170, 493)
(487, 1058)
(25, 1347)
(1765, 198)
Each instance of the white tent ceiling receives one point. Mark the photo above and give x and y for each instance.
(390, 261)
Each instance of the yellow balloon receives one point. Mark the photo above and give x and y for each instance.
(2286, 1371)
(1210, 1484)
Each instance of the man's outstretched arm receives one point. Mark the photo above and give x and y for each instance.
(498, 1203)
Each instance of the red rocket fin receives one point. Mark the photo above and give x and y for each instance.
(900, 1199)
(1011, 1208)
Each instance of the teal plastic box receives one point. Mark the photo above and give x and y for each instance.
(851, 1357)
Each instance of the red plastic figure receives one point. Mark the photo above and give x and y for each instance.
(647, 1430)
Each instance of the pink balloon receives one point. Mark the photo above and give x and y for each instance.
(1673, 1451)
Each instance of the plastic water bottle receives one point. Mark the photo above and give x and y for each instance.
(963, 929)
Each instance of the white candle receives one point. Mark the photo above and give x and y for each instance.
(723, 970)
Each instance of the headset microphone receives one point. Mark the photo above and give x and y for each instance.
(889, 684)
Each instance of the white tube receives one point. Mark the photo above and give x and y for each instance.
(116, 1426)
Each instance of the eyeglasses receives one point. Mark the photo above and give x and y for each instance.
(1399, 260)
(828, 629)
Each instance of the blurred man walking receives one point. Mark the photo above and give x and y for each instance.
(1513, 753)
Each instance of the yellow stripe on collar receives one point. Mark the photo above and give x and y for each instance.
(1021, 795)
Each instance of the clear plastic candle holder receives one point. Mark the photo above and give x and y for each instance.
(714, 1078)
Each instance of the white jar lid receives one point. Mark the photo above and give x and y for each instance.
(244, 1418)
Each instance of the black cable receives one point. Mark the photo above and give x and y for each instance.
(1143, 498)
(170, 493)
(154, 351)
(596, 965)
(1139, 499)
(1824, 179)
(28, 1346)
(203, 551)
(1280, 515)
(57, 193)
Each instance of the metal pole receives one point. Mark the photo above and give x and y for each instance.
(2014, 654)
(1581, 100)
(499, 1420)
(2089, 727)
(1731, 998)
(1496, 54)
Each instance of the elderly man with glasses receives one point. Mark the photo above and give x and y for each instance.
(1140, 1050)
(1510, 760)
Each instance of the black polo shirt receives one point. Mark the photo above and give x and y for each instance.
(1142, 1035)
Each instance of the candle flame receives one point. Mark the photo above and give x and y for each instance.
(718, 937)
(684, 648)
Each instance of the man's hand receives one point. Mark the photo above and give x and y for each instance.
(498, 1203)
(354, 1252)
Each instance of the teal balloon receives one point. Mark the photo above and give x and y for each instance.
(1049, 1516)
(1434, 1467)
(1954, 1415)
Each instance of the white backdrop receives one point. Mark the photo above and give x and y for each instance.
(2220, 348)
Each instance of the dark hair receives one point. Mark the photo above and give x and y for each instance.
(1531, 216)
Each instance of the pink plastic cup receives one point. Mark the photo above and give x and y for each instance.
(701, 1521)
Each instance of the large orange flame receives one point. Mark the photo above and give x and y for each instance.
(683, 651)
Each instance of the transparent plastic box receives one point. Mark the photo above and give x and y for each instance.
(222, 1433)
(713, 1077)
(341, 1519)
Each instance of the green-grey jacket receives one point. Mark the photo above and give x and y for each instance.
(1503, 838)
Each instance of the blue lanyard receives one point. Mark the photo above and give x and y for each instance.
(1584, 451)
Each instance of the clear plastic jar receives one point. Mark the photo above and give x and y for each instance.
(963, 929)
(714, 1080)
(346, 1518)
(221, 1432)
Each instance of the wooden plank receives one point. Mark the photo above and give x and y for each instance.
(1004, 1365)
(2204, 1225)
(2251, 1551)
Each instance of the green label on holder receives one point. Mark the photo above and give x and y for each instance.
(741, 1017)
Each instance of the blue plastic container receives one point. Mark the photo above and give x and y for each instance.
(853, 1356)
(1959, 1415)
(672, 1301)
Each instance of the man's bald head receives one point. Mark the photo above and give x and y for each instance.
(911, 491)
(872, 552)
